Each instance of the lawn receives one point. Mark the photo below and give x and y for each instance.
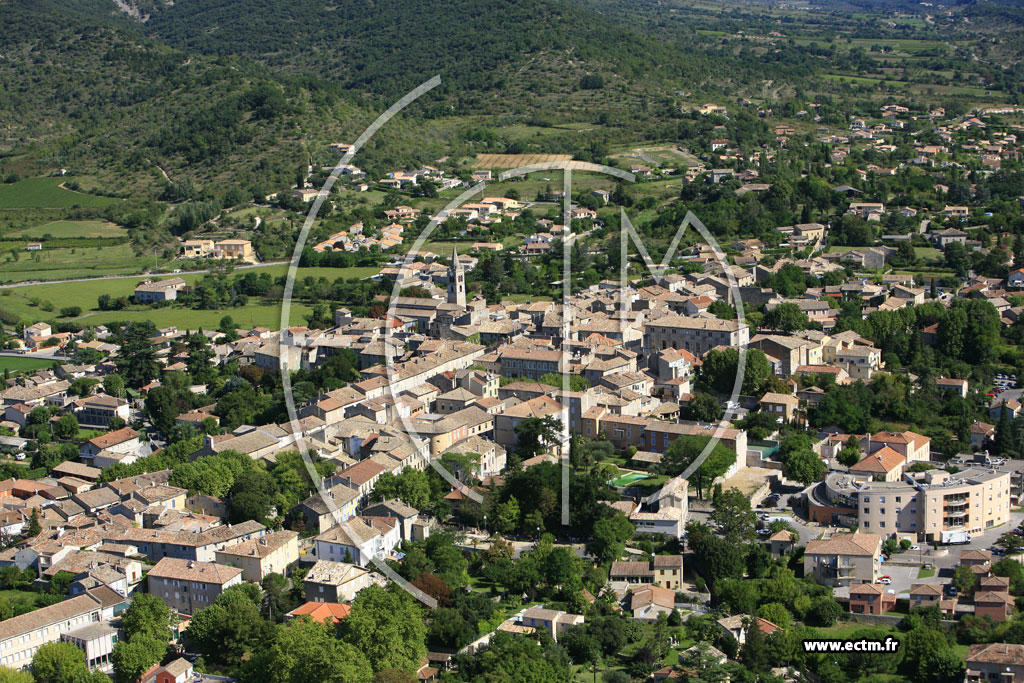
(15, 596)
(46, 193)
(65, 229)
(15, 364)
(524, 298)
(927, 253)
(926, 573)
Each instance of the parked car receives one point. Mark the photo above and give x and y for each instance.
(885, 581)
(951, 590)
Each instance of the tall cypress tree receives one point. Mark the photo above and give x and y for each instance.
(1005, 442)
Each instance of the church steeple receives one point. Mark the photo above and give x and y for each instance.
(456, 280)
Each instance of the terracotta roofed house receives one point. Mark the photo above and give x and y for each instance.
(1002, 662)
(871, 598)
(885, 464)
(327, 612)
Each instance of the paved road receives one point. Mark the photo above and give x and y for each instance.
(30, 283)
(41, 356)
(478, 540)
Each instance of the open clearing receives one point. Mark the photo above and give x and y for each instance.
(67, 229)
(14, 364)
(86, 295)
(46, 193)
(59, 263)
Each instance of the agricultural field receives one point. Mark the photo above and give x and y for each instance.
(519, 160)
(71, 229)
(35, 193)
(668, 156)
(18, 364)
(60, 263)
(29, 302)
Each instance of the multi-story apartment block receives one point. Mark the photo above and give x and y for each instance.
(696, 335)
(187, 586)
(186, 545)
(22, 636)
(927, 504)
(257, 557)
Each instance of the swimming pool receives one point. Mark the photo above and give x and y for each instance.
(627, 479)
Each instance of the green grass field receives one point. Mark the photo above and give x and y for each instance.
(13, 364)
(18, 300)
(523, 298)
(927, 253)
(37, 193)
(69, 262)
(253, 315)
(64, 229)
(15, 596)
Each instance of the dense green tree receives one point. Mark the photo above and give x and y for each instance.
(136, 361)
(113, 385)
(147, 615)
(34, 527)
(66, 427)
(704, 408)
(684, 450)
(514, 658)
(410, 486)
(277, 597)
(386, 625)
(200, 358)
(926, 656)
(535, 435)
(824, 611)
(231, 628)
(132, 658)
(61, 662)
(803, 465)
(776, 613)
(717, 372)
(8, 675)
(608, 538)
(732, 514)
(964, 579)
(302, 650)
(785, 317)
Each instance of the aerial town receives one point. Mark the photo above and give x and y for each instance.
(733, 395)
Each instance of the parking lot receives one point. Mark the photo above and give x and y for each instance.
(904, 577)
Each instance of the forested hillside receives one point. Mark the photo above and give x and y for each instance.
(386, 47)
